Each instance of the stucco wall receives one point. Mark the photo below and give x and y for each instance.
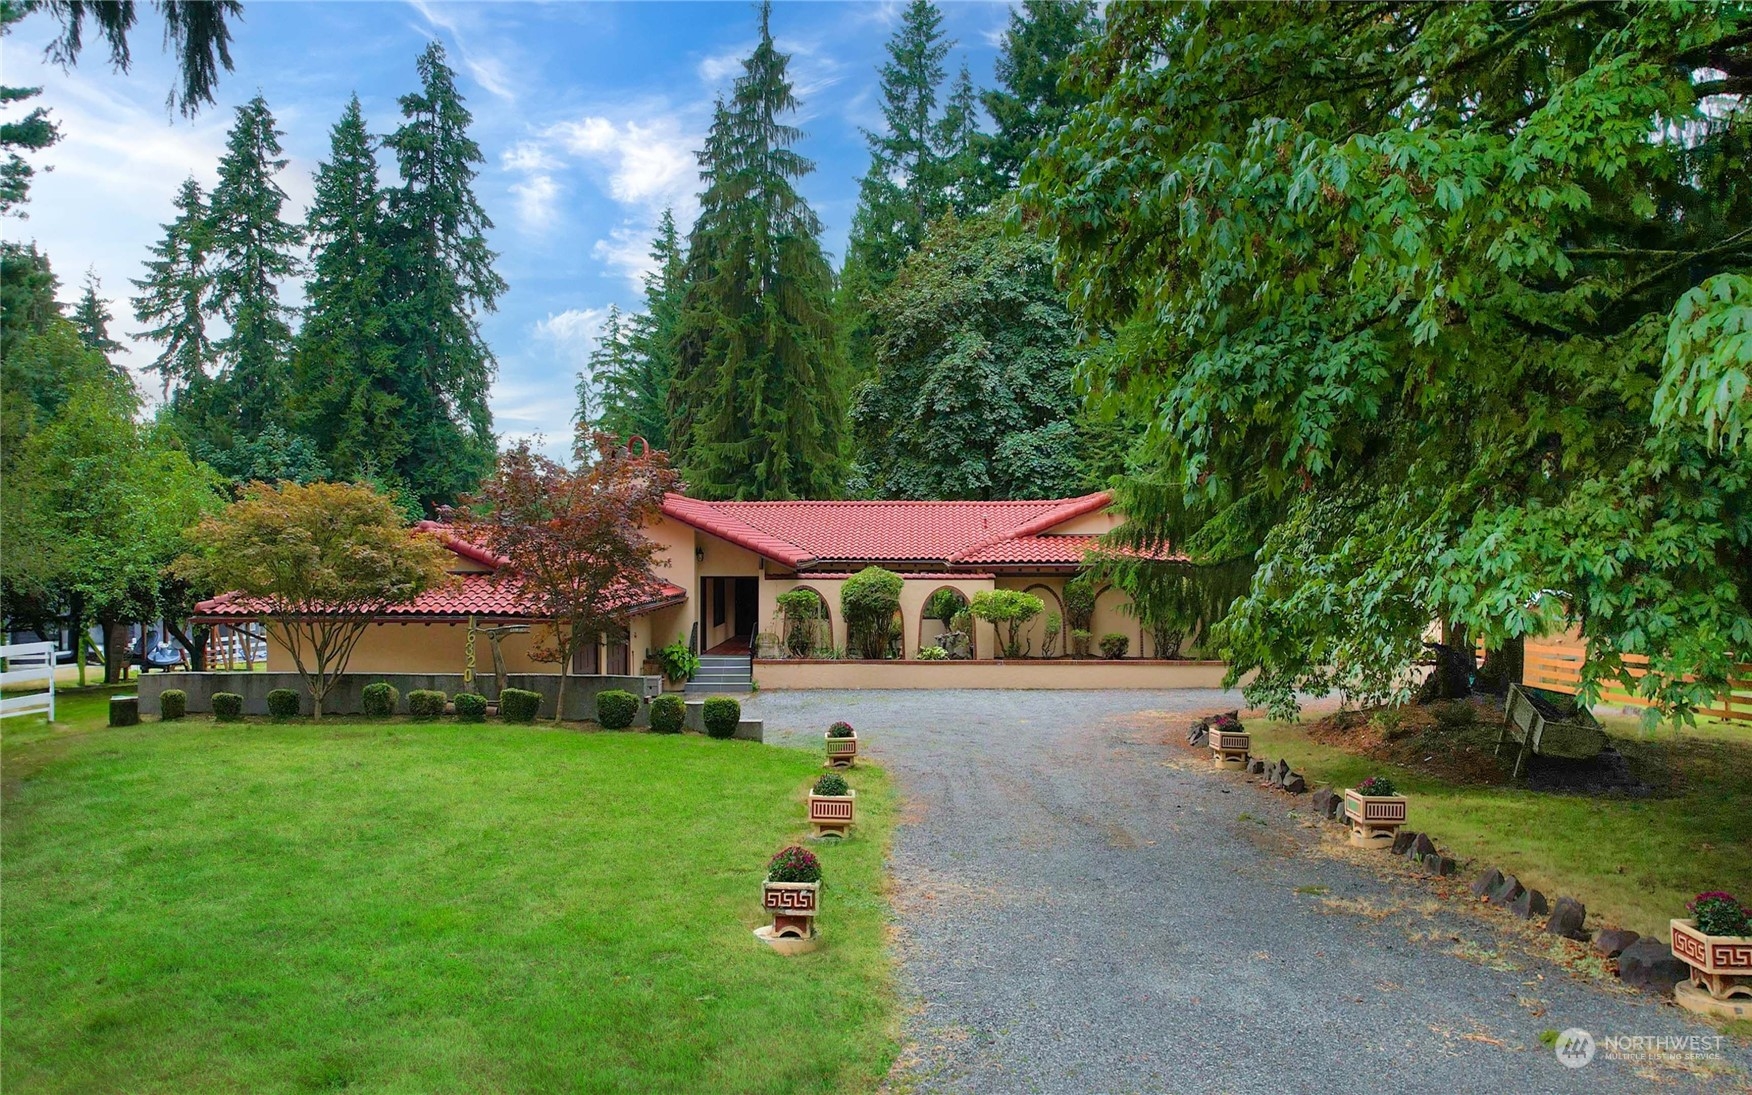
(1023, 673)
(914, 592)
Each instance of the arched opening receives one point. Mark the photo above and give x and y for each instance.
(1112, 618)
(805, 623)
(937, 623)
(1042, 641)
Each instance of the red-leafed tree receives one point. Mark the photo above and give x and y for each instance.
(571, 538)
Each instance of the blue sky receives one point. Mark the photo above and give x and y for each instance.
(588, 113)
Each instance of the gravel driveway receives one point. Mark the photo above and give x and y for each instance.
(1084, 908)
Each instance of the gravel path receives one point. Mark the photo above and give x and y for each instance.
(1084, 908)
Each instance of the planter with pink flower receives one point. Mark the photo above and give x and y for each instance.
(842, 745)
(791, 895)
(832, 805)
(1375, 810)
(1230, 743)
(1716, 942)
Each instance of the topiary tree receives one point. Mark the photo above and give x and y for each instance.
(802, 608)
(868, 600)
(1008, 610)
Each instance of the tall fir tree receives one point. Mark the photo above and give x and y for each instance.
(92, 317)
(348, 396)
(441, 278)
(173, 297)
(613, 356)
(758, 413)
(253, 250)
(1030, 103)
(635, 399)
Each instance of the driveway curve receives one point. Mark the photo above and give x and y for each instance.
(1083, 909)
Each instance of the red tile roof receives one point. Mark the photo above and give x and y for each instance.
(1034, 549)
(801, 534)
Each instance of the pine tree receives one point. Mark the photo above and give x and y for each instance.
(635, 401)
(252, 251)
(612, 357)
(758, 414)
(173, 296)
(441, 277)
(1030, 105)
(31, 133)
(92, 317)
(345, 365)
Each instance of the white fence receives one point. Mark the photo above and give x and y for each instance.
(28, 662)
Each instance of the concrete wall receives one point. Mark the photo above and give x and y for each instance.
(1023, 673)
(345, 698)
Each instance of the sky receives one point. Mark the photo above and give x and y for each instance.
(588, 114)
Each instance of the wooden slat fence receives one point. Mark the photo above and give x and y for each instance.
(1555, 664)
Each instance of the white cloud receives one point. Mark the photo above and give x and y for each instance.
(489, 70)
(719, 67)
(648, 163)
(572, 333)
(628, 250)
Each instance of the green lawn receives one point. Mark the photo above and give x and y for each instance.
(1635, 862)
(423, 908)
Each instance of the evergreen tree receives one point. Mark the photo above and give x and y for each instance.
(758, 413)
(173, 297)
(92, 317)
(612, 355)
(31, 133)
(441, 277)
(27, 292)
(1030, 104)
(252, 251)
(635, 400)
(348, 396)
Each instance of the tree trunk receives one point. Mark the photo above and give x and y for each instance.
(115, 652)
(197, 647)
(1503, 666)
(565, 673)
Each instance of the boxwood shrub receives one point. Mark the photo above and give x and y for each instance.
(379, 700)
(668, 714)
(1115, 645)
(426, 704)
(173, 703)
(722, 715)
(282, 704)
(616, 709)
(227, 706)
(470, 707)
(519, 705)
(832, 784)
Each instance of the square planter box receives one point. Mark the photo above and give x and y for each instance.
(793, 906)
(1373, 818)
(832, 815)
(1721, 965)
(1230, 748)
(842, 752)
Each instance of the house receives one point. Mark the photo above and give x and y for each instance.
(725, 565)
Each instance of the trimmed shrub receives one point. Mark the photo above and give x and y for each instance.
(1008, 611)
(470, 707)
(1080, 643)
(380, 699)
(869, 601)
(722, 715)
(1114, 645)
(519, 705)
(426, 704)
(282, 704)
(616, 709)
(173, 703)
(794, 864)
(227, 706)
(832, 783)
(933, 654)
(840, 729)
(668, 714)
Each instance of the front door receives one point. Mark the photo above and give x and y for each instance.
(747, 606)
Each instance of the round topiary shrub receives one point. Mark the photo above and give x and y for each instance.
(832, 784)
(282, 704)
(1114, 645)
(519, 705)
(794, 864)
(616, 709)
(379, 700)
(470, 707)
(173, 703)
(841, 729)
(722, 715)
(668, 714)
(426, 704)
(227, 706)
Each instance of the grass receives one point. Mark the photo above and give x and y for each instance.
(402, 907)
(1634, 862)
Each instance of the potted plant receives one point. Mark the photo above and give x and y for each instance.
(1716, 942)
(678, 662)
(1374, 809)
(791, 895)
(831, 806)
(1230, 743)
(842, 745)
